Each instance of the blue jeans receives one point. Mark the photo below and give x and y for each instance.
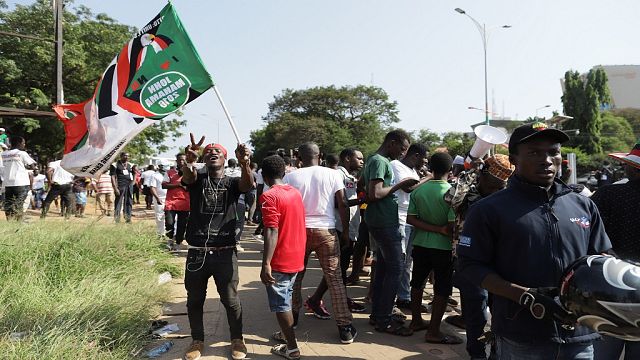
(474, 301)
(389, 265)
(611, 348)
(280, 293)
(511, 350)
(404, 290)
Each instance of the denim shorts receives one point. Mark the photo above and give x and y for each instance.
(81, 198)
(280, 293)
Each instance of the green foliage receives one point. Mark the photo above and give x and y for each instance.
(617, 134)
(78, 291)
(150, 141)
(334, 118)
(583, 99)
(27, 69)
(632, 116)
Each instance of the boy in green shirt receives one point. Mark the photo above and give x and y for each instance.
(433, 220)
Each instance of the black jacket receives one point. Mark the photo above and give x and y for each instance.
(528, 239)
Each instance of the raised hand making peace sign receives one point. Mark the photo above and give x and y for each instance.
(191, 151)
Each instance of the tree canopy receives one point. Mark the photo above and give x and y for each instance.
(27, 71)
(583, 99)
(335, 118)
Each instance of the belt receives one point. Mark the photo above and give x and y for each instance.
(210, 248)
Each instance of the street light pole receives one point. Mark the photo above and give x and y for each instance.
(482, 29)
(540, 108)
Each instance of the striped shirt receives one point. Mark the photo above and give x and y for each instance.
(104, 184)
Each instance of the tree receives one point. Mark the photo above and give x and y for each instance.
(334, 118)
(583, 99)
(27, 72)
(632, 116)
(617, 134)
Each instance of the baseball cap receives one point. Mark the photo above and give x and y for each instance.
(2, 129)
(527, 132)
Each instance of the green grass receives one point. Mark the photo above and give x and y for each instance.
(79, 291)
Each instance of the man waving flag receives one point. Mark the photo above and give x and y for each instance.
(157, 72)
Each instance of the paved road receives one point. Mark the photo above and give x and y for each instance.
(318, 339)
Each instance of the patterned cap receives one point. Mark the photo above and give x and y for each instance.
(499, 166)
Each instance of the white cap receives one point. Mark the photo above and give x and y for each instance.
(2, 129)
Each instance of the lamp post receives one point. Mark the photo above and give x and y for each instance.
(482, 29)
(540, 108)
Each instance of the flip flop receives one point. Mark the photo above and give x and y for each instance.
(398, 330)
(446, 340)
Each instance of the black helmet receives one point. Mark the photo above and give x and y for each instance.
(604, 293)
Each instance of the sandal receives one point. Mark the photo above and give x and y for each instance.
(282, 350)
(423, 326)
(446, 340)
(398, 330)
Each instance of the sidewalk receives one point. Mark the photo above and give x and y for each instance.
(318, 339)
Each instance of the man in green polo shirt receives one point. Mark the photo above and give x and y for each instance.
(433, 220)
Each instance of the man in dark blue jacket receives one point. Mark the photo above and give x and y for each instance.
(518, 241)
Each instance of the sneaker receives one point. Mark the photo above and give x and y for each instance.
(171, 245)
(451, 301)
(238, 349)
(195, 350)
(239, 247)
(348, 333)
(317, 309)
(354, 307)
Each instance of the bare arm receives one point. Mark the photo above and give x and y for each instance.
(270, 242)
(246, 175)
(495, 284)
(425, 226)
(376, 190)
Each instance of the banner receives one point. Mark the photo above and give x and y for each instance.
(157, 72)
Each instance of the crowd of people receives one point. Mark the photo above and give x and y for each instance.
(501, 229)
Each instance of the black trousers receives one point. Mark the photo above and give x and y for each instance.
(14, 197)
(175, 224)
(124, 203)
(240, 219)
(223, 266)
(67, 199)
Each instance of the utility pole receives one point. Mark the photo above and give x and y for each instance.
(58, 14)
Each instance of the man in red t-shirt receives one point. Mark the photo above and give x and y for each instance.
(176, 205)
(284, 250)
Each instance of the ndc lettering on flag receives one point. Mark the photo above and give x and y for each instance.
(156, 73)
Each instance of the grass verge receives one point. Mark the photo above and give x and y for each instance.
(79, 291)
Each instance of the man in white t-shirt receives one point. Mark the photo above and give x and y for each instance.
(321, 189)
(159, 194)
(17, 182)
(350, 163)
(60, 183)
(402, 169)
(37, 188)
(145, 179)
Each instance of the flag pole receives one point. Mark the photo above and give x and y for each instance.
(227, 114)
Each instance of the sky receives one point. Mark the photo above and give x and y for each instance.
(426, 56)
